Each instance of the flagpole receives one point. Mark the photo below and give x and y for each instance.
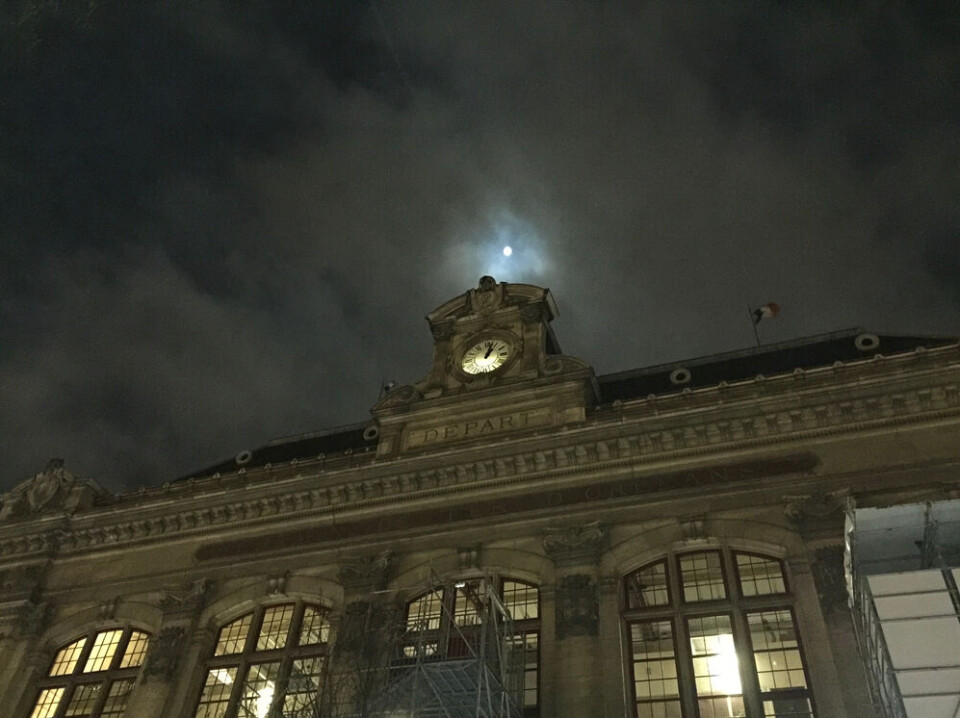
(756, 334)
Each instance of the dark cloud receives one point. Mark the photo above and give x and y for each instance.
(224, 222)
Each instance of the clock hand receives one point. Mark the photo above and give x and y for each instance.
(490, 349)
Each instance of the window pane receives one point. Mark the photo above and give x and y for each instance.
(648, 586)
(716, 671)
(117, 698)
(83, 700)
(103, 651)
(786, 706)
(424, 613)
(760, 576)
(67, 657)
(275, 627)
(136, 650)
(303, 688)
(316, 627)
(776, 650)
(527, 643)
(258, 690)
(467, 603)
(216, 692)
(521, 600)
(233, 636)
(47, 703)
(655, 682)
(702, 577)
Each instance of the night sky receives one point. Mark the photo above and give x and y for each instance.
(223, 221)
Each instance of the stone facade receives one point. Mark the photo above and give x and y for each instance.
(530, 471)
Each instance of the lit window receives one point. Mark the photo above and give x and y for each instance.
(93, 676)
(738, 620)
(268, 662)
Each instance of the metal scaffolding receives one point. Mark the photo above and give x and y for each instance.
(456, 660)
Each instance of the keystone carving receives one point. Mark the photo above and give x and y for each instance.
(163, 654)
(575, 544)
(578, 606)
(53, 489)
(469, 557)
(277, 585)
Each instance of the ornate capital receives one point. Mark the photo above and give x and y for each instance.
(578, 606)
(366, 572)
(573, 545)
(187, 601)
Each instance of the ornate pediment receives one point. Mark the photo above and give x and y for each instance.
(53, 490)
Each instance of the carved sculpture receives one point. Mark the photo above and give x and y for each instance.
(578, 606)
(53, 489)
(163, 654)
(575, 544)
(366, 572)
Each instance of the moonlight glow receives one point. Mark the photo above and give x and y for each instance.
(507, 251)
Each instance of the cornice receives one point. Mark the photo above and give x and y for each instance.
(757, 415)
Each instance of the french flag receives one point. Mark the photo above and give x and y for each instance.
(767, 311)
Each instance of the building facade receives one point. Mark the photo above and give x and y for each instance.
(511, 535)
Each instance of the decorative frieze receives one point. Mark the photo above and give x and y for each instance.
(821, 419)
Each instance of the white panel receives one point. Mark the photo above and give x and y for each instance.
(940, 680)
(910, 582)
(956, 575)
(933, 707)
(924, 642)
(915, 606)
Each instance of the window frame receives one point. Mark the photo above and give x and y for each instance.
(77, 677)
(249, 655)
(680, 611)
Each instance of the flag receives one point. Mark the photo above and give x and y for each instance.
(767, 311)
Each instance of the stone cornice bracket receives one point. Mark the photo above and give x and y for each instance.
(574, 545)
(52, 490)
(369, 573)
(818, 505)
(163, 654)
(187, 602)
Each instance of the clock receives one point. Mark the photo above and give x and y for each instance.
(487, 355)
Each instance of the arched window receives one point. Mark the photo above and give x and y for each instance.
(438, 619)
(92, 676)
(269, 659)
(712, 634)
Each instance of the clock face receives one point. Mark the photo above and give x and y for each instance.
(486, 356)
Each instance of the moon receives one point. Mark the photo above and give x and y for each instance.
(507, 251)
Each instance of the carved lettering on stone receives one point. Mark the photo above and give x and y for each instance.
(163, 654)
(578, 606)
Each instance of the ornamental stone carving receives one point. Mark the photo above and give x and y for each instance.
(818, 505)
(573, 545)
(830, 580)
(187, 601)
(50, 490)
(578, 606)
(369, 573)
(163, 654)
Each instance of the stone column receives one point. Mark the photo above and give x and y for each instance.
(165, 675)
(579, 669)
(24, 660)
(366, 635)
